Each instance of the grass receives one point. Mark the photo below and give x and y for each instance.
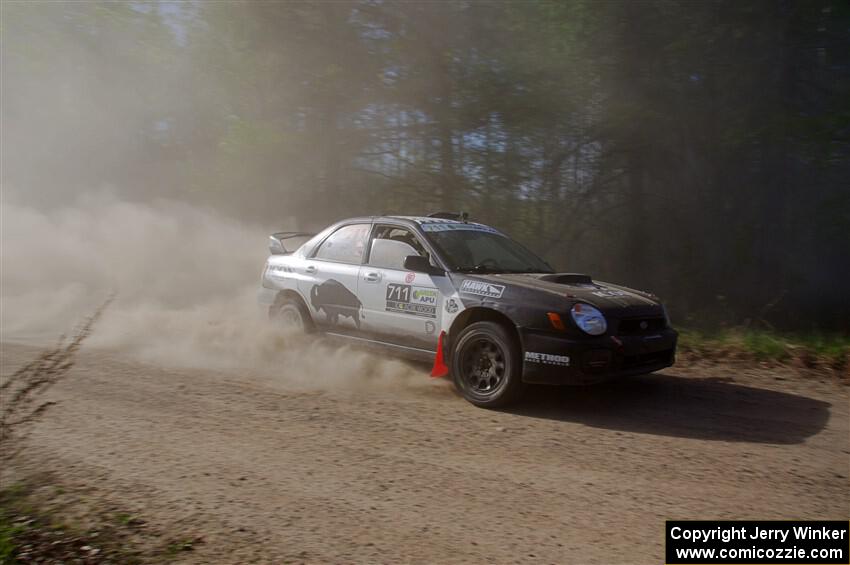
(8, 533)
(176, 547)
(32, 531)
(11, 499)
(810, 350)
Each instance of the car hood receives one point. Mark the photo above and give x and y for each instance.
(580, 288)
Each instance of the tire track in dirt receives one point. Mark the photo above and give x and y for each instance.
(264, 470)
(23, 389)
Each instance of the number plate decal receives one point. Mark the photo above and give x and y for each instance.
(413, 300)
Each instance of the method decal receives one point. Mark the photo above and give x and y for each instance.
(409, 277)
(452, 306)
(430, 327)
(546, 359)
(482, 288)
(413, 300)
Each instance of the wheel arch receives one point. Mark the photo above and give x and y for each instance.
(289, 294)
(481, 314)
(511, 389)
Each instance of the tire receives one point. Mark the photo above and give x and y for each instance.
(290, 314)
(486, 365)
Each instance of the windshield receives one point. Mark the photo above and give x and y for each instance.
(477, 251)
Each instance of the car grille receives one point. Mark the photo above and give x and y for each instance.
(631, 326)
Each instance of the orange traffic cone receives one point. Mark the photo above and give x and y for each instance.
(440, 368)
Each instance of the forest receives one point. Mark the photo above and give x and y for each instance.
(700, 150)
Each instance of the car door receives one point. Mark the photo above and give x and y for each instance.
(330, 281)
(400, 307)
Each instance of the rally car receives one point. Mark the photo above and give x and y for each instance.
(469, 299)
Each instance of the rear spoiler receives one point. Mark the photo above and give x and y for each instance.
(279, 243)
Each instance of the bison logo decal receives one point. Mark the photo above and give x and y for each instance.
(335, 300)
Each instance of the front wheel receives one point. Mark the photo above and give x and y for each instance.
(486, 365)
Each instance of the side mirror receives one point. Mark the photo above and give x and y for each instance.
(420, 264)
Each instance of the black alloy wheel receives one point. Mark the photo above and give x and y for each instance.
(486, 365)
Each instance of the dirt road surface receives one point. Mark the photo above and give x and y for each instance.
(268, 472)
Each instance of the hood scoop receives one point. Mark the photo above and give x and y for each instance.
(567, 278)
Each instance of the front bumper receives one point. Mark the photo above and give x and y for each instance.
(550, 358)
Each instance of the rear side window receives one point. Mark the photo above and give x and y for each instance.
(345, 245)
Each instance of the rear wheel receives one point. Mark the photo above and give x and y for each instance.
(290, 314)
(486, 365)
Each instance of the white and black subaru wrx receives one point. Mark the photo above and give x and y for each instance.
(464, 295)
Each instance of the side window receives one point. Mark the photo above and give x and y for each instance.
(391, 245)
(345, 244)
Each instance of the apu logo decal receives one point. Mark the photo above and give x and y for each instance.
(546, 359)
(482, 288)
(413, 300)
(424, 296)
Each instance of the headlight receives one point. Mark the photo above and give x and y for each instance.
(589, 319)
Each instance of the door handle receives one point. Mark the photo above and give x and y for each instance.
(372, 277)
(311, 270)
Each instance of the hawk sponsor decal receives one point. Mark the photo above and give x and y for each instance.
(607, 293)
(413, 300)
(546, 359)
(452, 306)
(482, 288)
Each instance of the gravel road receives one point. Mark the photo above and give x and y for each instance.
(268, 471)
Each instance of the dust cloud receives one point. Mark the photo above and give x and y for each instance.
(184, 279)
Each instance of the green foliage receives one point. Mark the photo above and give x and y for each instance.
(11, 498)
(177, 547)
(829, 349)
(31, 520)
(765, 346)
(8, 533)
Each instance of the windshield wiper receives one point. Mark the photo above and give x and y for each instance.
(479, 268)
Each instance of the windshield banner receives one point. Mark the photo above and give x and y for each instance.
(453, 226)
